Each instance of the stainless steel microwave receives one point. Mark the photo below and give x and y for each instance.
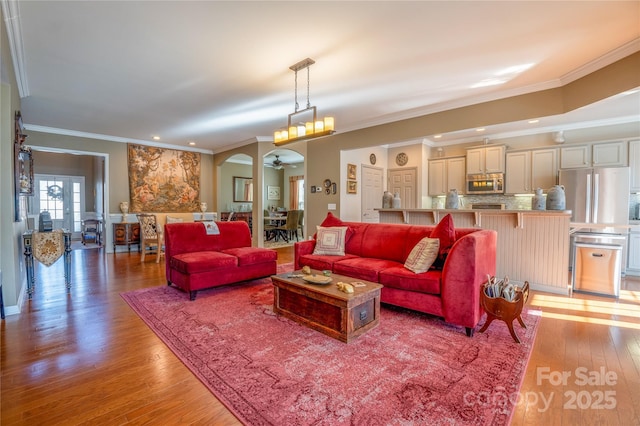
(492, 183)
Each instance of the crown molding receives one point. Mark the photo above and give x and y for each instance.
(75, 133)
(11, 13)
(607, 59)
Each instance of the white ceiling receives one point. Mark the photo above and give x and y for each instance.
(217, 72)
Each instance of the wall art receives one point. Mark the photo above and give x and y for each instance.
(163, 180)
(351, 171)
(352, 187)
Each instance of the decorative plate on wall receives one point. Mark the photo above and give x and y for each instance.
(372, 159)
(401, 159)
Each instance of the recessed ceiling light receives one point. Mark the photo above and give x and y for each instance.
(480, 129)
(156, 138)
(192, 143)
(533, 121)
(437, 136)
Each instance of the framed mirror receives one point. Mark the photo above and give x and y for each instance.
(24, 171)
(242, 189)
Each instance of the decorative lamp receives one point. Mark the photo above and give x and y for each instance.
(203, 208)
(303, 124)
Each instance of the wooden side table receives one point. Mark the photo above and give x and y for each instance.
(126, 234)
(504, 310)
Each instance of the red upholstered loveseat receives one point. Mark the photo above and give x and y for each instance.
(377, 252)
(195, 260)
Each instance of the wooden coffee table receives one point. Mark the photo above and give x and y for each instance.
(326, 309)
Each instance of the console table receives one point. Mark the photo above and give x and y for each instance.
(126, 234)
(29, 246)
(238, 216)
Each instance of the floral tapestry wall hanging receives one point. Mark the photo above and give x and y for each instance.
(163, 180)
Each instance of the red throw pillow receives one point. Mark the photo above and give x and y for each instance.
(331, 221)
(446, 233)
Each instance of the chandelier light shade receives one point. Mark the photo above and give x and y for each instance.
(303, 124)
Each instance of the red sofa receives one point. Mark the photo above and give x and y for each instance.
(195, 260)
(377, 252)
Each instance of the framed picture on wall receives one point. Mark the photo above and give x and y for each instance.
(351, 171)
(352, 187)
(273, 192)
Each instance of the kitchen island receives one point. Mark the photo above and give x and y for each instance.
(533, 245)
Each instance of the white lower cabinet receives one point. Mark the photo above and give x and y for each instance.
(633, 264)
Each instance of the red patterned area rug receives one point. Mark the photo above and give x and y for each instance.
(413, 369)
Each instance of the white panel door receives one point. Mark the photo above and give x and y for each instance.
(371, 193)
(404, 182)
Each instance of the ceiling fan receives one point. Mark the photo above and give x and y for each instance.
(279, 164)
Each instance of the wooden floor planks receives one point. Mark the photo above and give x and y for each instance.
(87, 358)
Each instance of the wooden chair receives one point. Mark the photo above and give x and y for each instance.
(290, 227)
(150, 235)
(268, 225)
(301, 222)
(91, 231)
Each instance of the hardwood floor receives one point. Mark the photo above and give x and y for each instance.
(86, 358)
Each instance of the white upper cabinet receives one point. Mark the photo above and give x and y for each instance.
(437, 177)
(456, 176)
(489, 159)
(574, 157)
(610, 154)
(518, 177)
(446, 174)
(528, 170)
(544, 168)
(604, 154)
(634, 165)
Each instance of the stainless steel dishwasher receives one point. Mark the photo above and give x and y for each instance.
(597, 268)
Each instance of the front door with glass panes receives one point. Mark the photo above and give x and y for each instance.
(63, 198)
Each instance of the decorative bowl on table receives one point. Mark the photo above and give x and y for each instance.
(316, 279)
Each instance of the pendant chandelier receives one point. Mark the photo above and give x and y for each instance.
(303, 124)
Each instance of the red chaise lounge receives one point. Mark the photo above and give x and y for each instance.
(196, 260)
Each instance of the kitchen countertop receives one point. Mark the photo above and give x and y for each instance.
(490, 211)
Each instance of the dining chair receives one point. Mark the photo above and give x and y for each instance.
(301, 222)
(269, 225)
(150, 235)
(290, 226)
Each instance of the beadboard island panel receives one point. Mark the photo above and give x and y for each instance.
(533, 245)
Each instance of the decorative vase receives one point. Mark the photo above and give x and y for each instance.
(397, 202)
(556, 198)
(538, 201)
(387, 200)
(124, 208)
(203, 208)
(452, 201)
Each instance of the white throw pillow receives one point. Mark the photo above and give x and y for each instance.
(330, 241)
(171, 219)
(423, 255)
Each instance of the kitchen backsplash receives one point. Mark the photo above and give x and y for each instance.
(511, 202)
(514, 203)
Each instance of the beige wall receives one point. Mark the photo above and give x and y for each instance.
(611, 80)
(117, 174)
(11, 258)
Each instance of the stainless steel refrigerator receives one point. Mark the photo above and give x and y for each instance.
(599, 197)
